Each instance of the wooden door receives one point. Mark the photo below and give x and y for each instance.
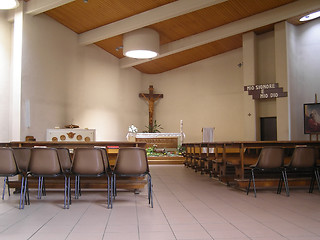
(268, 128)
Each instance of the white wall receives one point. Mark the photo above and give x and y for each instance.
(103, 96)
(67, 83)
(208, 93)
(49, 52)
(304, 80)
(5, 60)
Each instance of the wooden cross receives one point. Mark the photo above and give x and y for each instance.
(151, 98)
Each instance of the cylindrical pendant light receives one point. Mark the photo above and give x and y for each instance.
(310, 16)
(8, 4)
(143, 43)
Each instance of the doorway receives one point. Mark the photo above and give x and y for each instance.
(268, 129)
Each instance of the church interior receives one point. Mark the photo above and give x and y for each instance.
(228, 80)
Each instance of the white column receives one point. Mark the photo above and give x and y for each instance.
(281, 65)
(15, 87)
(249, 78)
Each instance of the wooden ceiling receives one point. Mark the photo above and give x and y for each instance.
(92, 16)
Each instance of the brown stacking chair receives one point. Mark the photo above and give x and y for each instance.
(91, 162)
(22, 156)
(66, 163)
(132, 162)
(9, 168)
(303, 163)
(45, 162)
(269, 161)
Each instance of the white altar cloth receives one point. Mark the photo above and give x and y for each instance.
(160, 135)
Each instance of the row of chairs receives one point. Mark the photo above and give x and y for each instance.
(303, 162)
(86, 162)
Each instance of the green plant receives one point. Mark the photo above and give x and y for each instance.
(181, 150)
(155, 128)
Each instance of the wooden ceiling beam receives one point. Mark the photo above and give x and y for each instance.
(143, 19)
(35, 7)
(244, 25)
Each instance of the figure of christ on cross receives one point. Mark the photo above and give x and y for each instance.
(151, 98)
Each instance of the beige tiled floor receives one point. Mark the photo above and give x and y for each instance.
(187, 205)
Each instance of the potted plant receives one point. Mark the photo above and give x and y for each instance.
(155, 128)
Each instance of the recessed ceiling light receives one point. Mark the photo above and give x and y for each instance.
(310, 16)
(8, 4)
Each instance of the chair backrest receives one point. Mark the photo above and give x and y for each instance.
(131, 161)
(22, 156)
(8, 164)
(271, 157)
(65, 159)
(44, 161)
(303, 157)
(105, 159)
(88, 161)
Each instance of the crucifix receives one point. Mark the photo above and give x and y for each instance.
(151, 98)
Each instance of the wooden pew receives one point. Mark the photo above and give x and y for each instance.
(231, 160)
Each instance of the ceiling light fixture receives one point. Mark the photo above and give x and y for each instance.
(310, 16)
(8, 4)
(143, 43)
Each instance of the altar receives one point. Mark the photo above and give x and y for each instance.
(161, 140)
(71, 134)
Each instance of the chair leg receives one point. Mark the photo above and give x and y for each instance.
(248, 188)
(286, 184)
(317, 178)
(26, 191)
(79, 187)
(75, 186)
(280, 184)
(109, 191)
(254, 184)
(114, 186)
(69, 191)
(148, 179)
(39, 187)
(4, 187)
(8, 186)
(65, 191)
(312, 181)
(43, 188)
(22, 193)
(150, 190)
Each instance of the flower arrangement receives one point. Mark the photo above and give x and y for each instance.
(132, 129)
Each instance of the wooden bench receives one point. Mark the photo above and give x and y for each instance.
(229, 161)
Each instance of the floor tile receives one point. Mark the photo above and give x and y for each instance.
(187, 205)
